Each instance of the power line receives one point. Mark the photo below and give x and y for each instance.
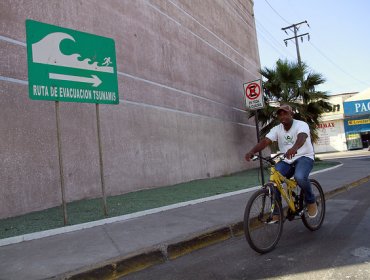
(264, 37)
(320, 52)
(274, 40)
(239, 13)
(337, 66)
(277, 12)
(273, 43)
(274, 47)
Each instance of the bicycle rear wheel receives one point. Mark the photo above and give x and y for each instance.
(315, 223)
(261, 233)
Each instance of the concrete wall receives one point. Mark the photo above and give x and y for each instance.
(181, 68)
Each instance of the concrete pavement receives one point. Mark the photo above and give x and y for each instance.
(344, 154)
(339, 250)
(116, 249)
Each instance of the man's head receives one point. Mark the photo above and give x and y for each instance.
(285, 114)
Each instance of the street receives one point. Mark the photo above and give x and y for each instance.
(339, 250)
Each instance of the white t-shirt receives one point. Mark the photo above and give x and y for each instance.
(286, 139)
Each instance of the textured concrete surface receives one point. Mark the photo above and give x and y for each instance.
(344, 154)
(340, 249)
(183, 229)
(29, 165)
(181, 66)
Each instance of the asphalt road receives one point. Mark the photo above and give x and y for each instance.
(339, 250)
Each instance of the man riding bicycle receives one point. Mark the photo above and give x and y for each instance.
(294, 140)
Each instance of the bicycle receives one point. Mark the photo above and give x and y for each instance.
(261, 230)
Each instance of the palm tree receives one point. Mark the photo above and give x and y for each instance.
(292, 84)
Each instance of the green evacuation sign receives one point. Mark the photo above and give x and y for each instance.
(69, 65)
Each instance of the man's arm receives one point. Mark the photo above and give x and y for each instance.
(301, 139)
(259, 147)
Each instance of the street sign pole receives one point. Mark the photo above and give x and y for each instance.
(260, 153)
(101, 161)
(61, 173)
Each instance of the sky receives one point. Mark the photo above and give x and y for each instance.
(339, 46)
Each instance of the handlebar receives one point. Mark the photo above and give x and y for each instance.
(269, 159)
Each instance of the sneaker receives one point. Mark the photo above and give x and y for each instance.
(312, 210)
(275, 219)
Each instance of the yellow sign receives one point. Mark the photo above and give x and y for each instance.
(353, 136)
(357, 122)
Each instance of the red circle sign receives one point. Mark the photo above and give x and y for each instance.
(252, 91)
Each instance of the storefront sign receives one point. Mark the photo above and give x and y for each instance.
(326, 132)
(354, 141)
(359, 107)
(358, 122)
(326, 125)
(357, 125)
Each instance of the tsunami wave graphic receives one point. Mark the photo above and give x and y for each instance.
(47, 51)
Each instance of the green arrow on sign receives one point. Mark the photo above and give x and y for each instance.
(69, 65)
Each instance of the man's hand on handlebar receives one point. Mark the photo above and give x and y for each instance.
(249, 156)
(290, 153)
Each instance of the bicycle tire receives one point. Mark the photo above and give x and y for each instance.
(262, 236)
(315, 223)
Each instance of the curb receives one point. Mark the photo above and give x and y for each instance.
(347, 187)
(166, 252)
(119, 267)
(122, 266)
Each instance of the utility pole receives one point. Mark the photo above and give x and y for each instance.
(295, 28)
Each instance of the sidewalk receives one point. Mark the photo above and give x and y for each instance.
(90, 211)
(345, 154)
(115, 249)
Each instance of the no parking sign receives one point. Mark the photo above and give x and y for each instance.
(253, 93)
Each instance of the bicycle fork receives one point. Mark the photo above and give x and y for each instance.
(271, 195)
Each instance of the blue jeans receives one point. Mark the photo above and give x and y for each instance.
(301, 169)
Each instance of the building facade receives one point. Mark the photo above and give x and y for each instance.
(357, 120)
(181, 66)
(347, 125)
(332, 136)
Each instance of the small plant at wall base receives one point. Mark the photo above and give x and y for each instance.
(295, 85)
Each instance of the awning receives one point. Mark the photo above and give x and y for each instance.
(363, 95)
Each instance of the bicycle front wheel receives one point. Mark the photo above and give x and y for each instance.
(260, 231)
(315, 223)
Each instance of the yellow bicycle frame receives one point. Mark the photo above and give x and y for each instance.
(277, 179)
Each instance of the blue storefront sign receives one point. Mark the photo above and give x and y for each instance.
(355, 108)
(358, 125)
(356, 122)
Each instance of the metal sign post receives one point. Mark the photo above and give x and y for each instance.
(101, 162)
(260, 153)
(254, 101)
(61, 173)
